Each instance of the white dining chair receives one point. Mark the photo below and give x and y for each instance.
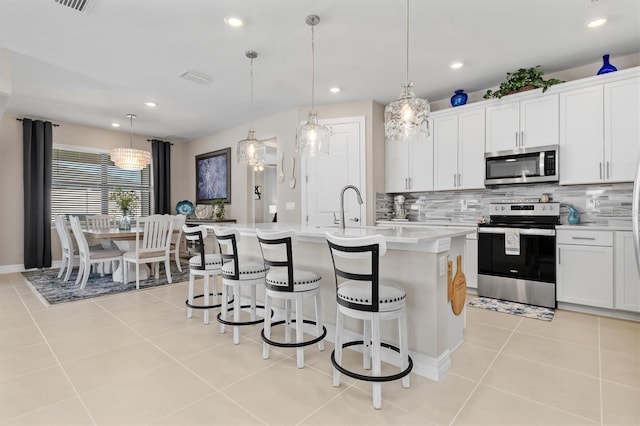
(178, 222)
(153, 243)
(69, 253)
(87, 256)
(101, 221)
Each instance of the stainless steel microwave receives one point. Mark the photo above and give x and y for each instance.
(527, 165)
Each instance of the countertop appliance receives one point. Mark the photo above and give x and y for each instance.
(517, 252)
(523, 165)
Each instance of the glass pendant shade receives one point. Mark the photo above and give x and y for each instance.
(251, 150)
(407, 117)
(130, 158)
(312, 138)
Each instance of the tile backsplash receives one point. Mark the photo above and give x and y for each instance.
(603, 204)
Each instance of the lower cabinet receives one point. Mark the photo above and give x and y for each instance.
(626, 279)
(584, 273)
(471, 260)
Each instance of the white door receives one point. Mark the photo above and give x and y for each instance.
(327, 175)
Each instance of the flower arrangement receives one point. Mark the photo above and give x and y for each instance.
(126, 200)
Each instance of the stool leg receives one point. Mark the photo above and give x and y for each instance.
(236, 313)
(338, 349)
(319, 319)
(366, 348)
(192, 279)
(206, 298)
(375, 337)
(225, 305)
(404, 350)
(287, 324)
(299, 331)
(216, 288)
(253, 302)
(267, 324)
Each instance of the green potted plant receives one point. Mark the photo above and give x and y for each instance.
(521, 80)
(126, 202)
(218, 209)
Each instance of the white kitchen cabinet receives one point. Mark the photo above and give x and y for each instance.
(584, 267)
(471, 260)
(408, 165)
(599, 132)
(458, 144)
(626, 279)
(521, 124)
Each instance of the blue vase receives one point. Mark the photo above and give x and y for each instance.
(460, 98)
(606, 66)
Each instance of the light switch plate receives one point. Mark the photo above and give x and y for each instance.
(291, 205)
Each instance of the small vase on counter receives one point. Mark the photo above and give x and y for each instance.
(125, 221)
(460, 98)
(606, 66)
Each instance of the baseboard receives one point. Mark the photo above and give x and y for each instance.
(7, 269)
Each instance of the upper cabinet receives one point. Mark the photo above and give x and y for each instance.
(522, 124)
(599, 132)
(408, 165)
(458, 146)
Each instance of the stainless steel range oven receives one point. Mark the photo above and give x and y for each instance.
(517, 252)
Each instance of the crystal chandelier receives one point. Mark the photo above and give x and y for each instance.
(312, 138)
(130, 158)
(407, 117)
(250, 149)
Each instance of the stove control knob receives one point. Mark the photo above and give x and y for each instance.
(502, 208)
(544, 207)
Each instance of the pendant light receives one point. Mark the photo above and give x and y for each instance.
(407, 117)
(250, 149)
(130, 158)
(312, 138)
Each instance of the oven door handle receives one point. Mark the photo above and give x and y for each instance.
(521, 231)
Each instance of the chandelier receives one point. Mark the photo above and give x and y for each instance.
(312, 138)
(407, 117)
(130, 158)
(250, 149)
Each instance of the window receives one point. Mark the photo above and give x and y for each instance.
(82, 180)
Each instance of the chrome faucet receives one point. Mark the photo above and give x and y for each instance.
(342, 224)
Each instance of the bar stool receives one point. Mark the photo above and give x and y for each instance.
(362, 296)
(202, 265)
(287, 283)
(237, 272)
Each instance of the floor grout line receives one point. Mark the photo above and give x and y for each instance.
(600, 375)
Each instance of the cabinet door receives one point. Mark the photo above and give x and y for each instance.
(627, 280)
(539, 121)
(445, 152)
(585, 275)
(471, 262)
(621, 129)
(421, 158)
(581, 135)
(396, 166)
(503, 126)
(471, 168)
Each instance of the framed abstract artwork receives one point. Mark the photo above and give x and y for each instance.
(213, 176)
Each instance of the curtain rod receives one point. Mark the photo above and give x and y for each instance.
(53, 124)
(151, 140)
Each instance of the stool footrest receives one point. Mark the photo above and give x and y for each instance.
(225, 322)
(296, 344)
(217, 305)
(350, 373)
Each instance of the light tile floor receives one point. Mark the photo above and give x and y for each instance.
(135, 358)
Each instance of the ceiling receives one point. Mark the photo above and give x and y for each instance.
(96, 66)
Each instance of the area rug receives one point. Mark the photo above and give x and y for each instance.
(54, 290)
(513, 308)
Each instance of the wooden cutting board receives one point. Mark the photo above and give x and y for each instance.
(459, 289)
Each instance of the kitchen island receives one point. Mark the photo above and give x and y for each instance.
(416, 259)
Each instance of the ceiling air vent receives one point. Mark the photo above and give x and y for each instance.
(79, 5)
(195, 77)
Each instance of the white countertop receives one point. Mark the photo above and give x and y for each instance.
(589, 227)
(427, 223)
(392, 234)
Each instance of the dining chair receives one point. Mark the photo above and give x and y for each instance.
(101, 221)
(87, 256)
(69, 253)
(153, 243)
(178, 222)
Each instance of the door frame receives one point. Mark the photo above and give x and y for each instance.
(360, 120)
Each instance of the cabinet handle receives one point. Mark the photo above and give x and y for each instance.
(516, 139)
(601, 170)
(454, 180)
(459, 180)
(559, 257)
(410, 183)
(608, 175)
(406, 183)
(583, 238)
(522, 138)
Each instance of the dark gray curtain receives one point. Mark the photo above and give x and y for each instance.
(161, 154)
(37, 149)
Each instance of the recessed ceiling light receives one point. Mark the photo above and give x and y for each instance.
(335, 90)
(151, 104)
(233, 21)
(597, 22)
(456, 65)
(115, 124)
